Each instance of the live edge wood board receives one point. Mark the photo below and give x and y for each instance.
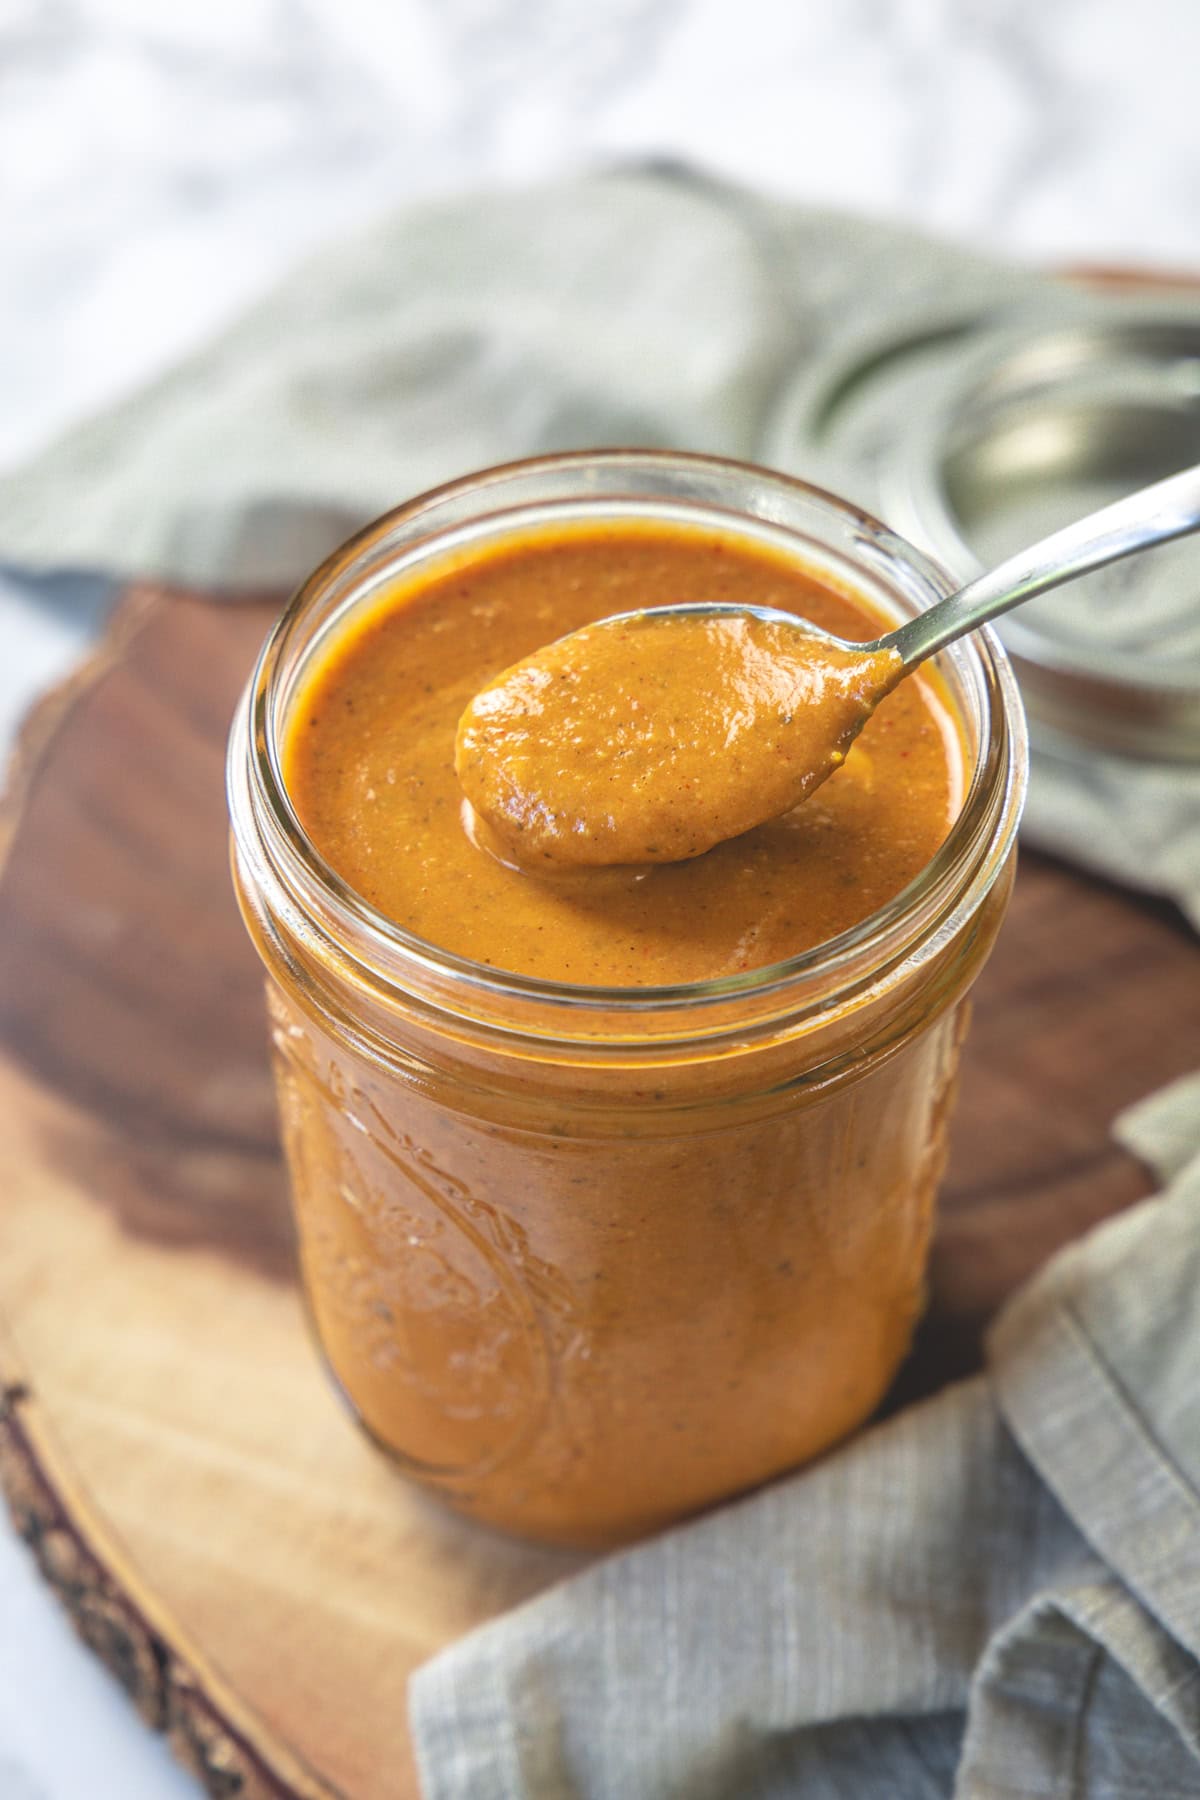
(259, 1578)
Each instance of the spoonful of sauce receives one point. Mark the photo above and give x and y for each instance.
(652, 736)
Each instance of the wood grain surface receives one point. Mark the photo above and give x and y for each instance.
(261, 1580)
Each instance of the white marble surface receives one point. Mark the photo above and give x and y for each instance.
(159, 164)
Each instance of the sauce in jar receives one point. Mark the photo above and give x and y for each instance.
(370, 766)
(613, 1188)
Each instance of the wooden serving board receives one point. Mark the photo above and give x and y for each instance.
(259, 1578)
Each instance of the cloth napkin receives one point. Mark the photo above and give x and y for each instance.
(650, 306)
(641, 307)
(996, 1594)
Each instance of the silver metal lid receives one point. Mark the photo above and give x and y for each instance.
(975, 434)
(1039, 428)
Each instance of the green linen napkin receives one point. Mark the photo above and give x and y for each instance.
(646, 307)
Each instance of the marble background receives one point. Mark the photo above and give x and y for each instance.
(161, 163)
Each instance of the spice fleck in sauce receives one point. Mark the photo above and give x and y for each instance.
(370, 767)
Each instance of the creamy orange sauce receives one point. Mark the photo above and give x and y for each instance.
(650, 739)
(580, 1298)
(370, 768)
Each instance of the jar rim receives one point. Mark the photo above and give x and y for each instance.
(267, 828)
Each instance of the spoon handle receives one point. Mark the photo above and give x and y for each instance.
(1167, 509)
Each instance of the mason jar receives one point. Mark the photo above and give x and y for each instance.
(584, 1260)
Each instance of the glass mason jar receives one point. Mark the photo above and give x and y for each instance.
(584, 1260)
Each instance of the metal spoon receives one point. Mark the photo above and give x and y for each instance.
(642, 738)
(1153, 515)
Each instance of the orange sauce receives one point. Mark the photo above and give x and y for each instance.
(580, 1299)
(370, 769)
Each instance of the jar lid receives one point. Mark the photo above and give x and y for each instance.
(974, 431)
(1040, 425)
(836, 420)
